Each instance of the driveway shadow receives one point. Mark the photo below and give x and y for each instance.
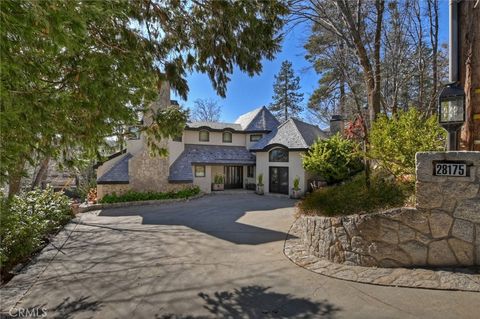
(213, 215)
(259, 302)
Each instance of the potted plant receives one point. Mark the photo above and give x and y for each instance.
(296, 188)
(218, 183)
(260, 185)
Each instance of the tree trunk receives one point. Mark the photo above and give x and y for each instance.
(15, 178)
(433, 18)
(470, 70)
(341, 106)
(42, 172)
(468, 102)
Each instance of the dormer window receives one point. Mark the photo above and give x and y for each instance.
(227, 137)
(204, 136)
(255, 137)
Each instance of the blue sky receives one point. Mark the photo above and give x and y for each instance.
(245, 93)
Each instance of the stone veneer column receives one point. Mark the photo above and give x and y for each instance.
(453, 204)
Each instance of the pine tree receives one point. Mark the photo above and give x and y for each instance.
(287, 99)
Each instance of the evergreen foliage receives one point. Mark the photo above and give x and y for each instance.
(73, 72)
(353, 197)
(26, 221)
(394, 141)
(286, 98)
(334, 159)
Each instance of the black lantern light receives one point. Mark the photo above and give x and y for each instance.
(451, 112)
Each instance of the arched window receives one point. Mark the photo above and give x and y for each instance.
(203, 136)
(227, 137)
(278, 155)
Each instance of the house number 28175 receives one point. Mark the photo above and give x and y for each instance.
(450, 169)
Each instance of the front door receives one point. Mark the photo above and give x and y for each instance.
(279, 180)
(233, 176)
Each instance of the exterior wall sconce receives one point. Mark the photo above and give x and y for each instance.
(451, 112)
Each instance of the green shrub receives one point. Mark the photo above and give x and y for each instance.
(26, 220)
(334, 159)
(353, 197)
(132, 196)
(394, 141)
(260, 179)
(296, 183)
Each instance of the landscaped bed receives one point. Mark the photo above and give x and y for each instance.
(27, 222)
(132, 196)
(354, 197)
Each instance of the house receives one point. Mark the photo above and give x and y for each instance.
(255, 144)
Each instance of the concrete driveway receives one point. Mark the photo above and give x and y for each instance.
(216, 257)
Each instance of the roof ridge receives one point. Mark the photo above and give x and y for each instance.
(284, 122)
(255, 117)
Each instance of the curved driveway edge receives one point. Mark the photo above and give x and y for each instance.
(442, 279)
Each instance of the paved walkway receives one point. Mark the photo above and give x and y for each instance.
(214, 257)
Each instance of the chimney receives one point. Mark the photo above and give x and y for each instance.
(336, 125)
(162, 101)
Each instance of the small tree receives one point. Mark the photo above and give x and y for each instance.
(334, 159)
(287, 99)
(206, 110)
(394, 141)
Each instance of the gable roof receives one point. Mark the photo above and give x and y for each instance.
(181, 169)
(293, 134)
(118, 174)
(260, 119)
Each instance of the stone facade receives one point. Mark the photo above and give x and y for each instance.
(150, 173)
(119, 189)
(443, 229)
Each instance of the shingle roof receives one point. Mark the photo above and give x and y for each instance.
(181, 169)
(260, 119)
(215, 125)
(293, 134)
(118, 174)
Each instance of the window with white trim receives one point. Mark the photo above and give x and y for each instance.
(199, 171)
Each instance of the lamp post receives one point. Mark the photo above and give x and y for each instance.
(451, 112)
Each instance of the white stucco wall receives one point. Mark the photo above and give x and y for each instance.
(174, 150)
(205, 183)
(192, 137)
(294, 165)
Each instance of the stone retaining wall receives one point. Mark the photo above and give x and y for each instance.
(443, 229)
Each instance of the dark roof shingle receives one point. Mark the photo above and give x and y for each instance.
(118, 174)
(181, 169)
(260, 119)
(293, 134)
